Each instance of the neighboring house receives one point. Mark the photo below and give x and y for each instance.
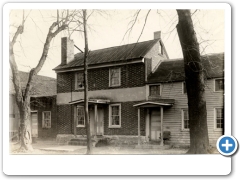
(42, 104)
(167, 82)
(133, 93)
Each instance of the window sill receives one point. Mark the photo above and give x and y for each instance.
(219, 91)
(116, 85)
(185, 130)
(218, 130)
(80, 126)
(79, 89)
(114, 126)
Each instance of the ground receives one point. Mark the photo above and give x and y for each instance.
(51, 147)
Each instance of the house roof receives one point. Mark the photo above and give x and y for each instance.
(42, 85)
(112, 54)
(173, 70)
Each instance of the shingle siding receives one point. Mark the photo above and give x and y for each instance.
(172, 118)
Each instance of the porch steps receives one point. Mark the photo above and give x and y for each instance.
(148, 146)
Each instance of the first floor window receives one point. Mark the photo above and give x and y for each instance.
(219, 114)
(154, 90)
(115, 115)
(185, 119)
(46, 119)
(80, 116)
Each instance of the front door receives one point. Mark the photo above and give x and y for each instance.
(96, 122)
(155, 124)
(100, 121)
(34, 124)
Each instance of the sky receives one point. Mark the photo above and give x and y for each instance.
(108, 28)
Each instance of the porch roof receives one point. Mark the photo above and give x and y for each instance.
(160, 102)
(91, 101)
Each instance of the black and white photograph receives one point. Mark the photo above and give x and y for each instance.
(109, 81)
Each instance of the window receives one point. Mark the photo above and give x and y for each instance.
(160, 49)
(184, 88)
(219, 118)
(115, 115)
(46, 118)
(219, 84)
(80, 116)
(185, 119)
(79, 80)
(114, 77)
(154, 90)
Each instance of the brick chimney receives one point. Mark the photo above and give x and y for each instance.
(67, 50)
(157, 35)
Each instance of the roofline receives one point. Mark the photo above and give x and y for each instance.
(94, 101)
(152, 82)
(154, 103)
(94, 66)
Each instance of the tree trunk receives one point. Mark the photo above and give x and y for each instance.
(89, 141)
(194, 78)
(25, 127)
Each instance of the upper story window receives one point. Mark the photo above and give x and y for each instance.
(184, 89)
(114, 77)
(185, 119)
(46, 119)
(219, 118)
(160, 51)
(115, 115)
(80, 116)
(79, 80)
(219, 84)
(154, 90)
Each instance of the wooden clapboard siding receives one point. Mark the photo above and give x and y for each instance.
(172, 116)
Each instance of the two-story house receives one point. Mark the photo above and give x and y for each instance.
(127, 95)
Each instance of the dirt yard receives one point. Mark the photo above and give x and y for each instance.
(51, 147)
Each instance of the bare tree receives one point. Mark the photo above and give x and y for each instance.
(86, 51)
(194, 78)
(23, 96)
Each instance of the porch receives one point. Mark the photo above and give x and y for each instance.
(96, 115)
(154, 119)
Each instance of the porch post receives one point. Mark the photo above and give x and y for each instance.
(139, 136)
(75, 121)
(96, 119)
(161, 109)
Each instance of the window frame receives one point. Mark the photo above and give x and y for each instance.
(76, 82)
(184, 87)
(110, 116)
(76, 116)
(110, 80)
(221, 90)
(160, 89)
(215, 119)
(43, 120)
(182, 114)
